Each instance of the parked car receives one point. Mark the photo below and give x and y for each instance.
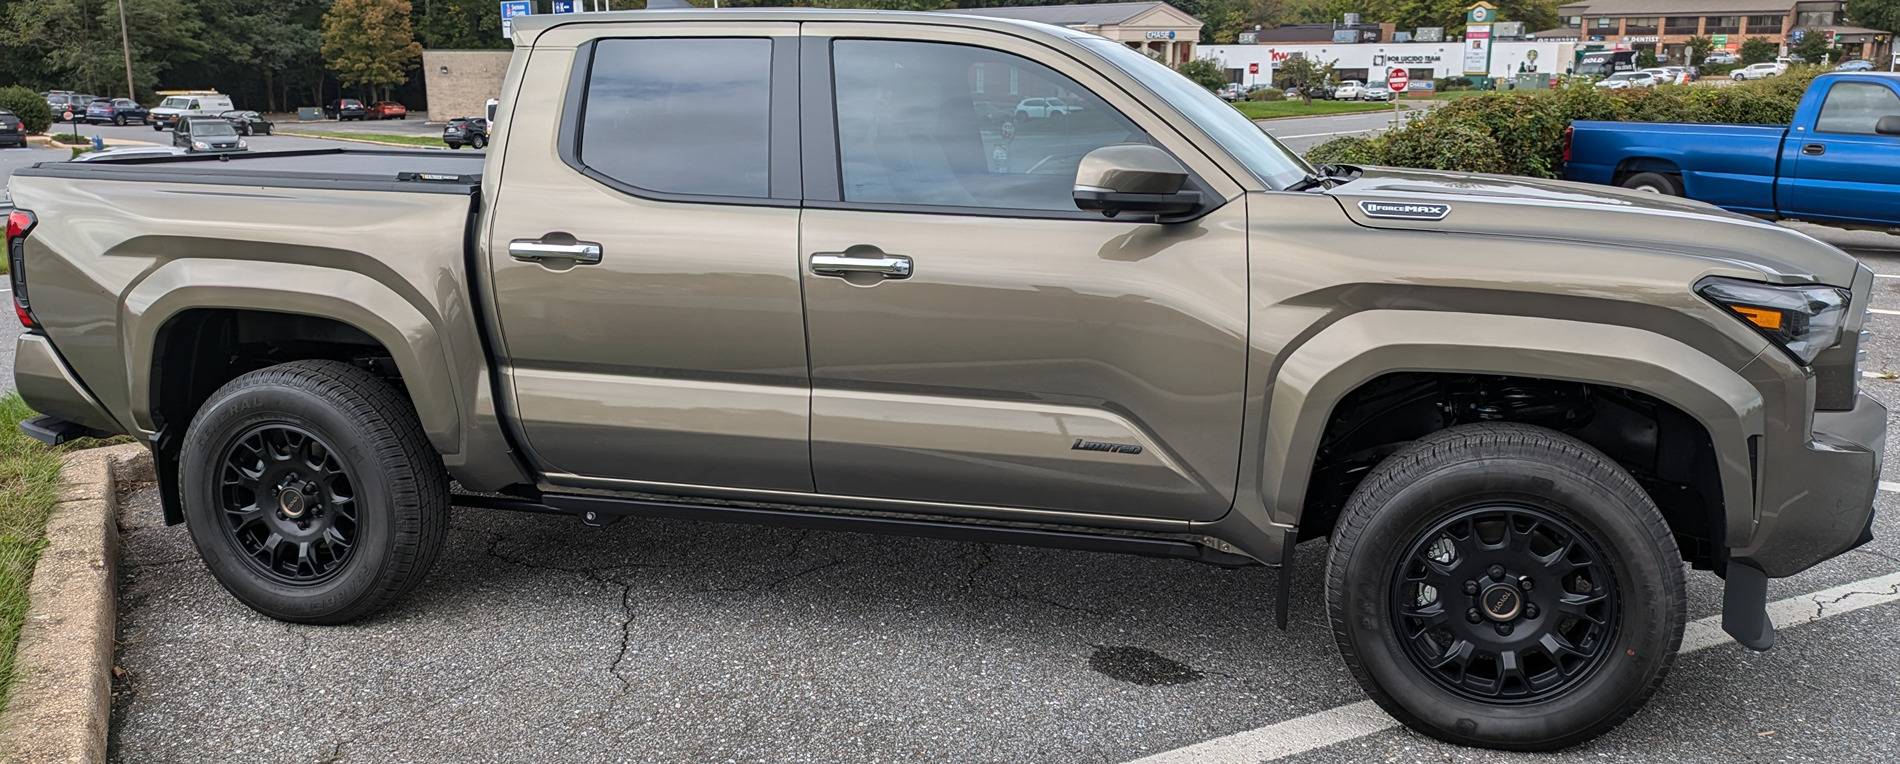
(1349, 90)
(345, 109)
(1722, 57)
(1839, 163)
(1517, 411)
(177, 106)
(1376, 91)
(1318, 91)
(62, 101)
(387, 110)
(1855, 65)
(1627, 80)
(1229, 92)
(1043, 108)
(1759, 71)
(248, 122)
(203, 135)
(466, 131)
(1669, 75)
(12, 130)
(117, 111)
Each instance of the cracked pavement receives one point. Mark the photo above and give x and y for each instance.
(538, 639)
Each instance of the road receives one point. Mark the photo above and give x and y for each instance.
(1302, 133)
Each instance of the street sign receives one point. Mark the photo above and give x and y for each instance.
(567, 6)
(509, 10)
(1253, 68)
(66, 116)
(1398, 80)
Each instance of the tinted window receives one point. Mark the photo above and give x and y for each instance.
(684, 116)
(954, 125)
(1854, 107)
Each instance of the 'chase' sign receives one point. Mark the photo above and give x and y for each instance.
(1168, 35)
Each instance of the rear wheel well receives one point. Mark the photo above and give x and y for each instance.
(1668, 452)
(1634, 165)
(198, 351)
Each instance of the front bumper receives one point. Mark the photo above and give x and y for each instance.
(1816, 498)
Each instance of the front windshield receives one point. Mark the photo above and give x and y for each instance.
(1264, 156)
(175, 103)
(212, 128)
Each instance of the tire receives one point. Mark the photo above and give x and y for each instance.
(478, 143)
(1545, 486)
(157, 128)
(120, 121)
(390, 501)
(1655, 183)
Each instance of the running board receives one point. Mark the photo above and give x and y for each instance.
(605, 510)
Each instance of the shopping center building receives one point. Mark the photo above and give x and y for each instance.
(1158, 29)
(1663, 27)
(1423, 61)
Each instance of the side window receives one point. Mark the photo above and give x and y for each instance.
(1854, 107)
(941, 124)
(679, 115)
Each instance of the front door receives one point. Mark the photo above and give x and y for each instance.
(644, 261)
(1844, 170)
(977, 340)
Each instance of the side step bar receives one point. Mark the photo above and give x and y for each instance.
(54, 431)
(604, 510)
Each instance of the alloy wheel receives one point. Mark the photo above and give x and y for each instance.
(288, 504)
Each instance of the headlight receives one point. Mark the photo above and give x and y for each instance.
(241, 143)
(1804, 319)
(198, 145)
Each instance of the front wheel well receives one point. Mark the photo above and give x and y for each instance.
(1669, 452)
(198, 351)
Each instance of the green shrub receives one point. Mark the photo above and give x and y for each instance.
(1444, 84)
(1266, 94)
(29, 106)
(1522, 132)
(1203, 72)
(1759, 50)
(71, 139)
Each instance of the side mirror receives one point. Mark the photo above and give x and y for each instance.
(1888, 125)
(1133, 177)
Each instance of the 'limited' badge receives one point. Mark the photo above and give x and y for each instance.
(1406, 210)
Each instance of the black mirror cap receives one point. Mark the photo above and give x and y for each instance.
(1162, 206)
(1888, 125)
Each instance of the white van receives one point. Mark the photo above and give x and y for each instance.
(177, 105)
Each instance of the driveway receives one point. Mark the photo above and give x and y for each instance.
(536, 639)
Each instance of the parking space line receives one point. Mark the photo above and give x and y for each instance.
(1356, 720)
(1884, 311)
(1889, 486)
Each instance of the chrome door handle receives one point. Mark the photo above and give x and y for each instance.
(582, 252)
(1814, 149)
(841, 264)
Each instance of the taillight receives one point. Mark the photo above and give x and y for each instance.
(19, 224)
(1570, 133)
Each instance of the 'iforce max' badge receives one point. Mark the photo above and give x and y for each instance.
(1406, 210)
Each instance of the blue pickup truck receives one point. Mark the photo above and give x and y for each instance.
(1839, 162)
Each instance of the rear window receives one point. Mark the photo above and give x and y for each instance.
(683, 116)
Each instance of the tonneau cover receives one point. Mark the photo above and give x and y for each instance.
(417, 170)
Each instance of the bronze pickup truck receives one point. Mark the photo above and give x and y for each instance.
(824, 269)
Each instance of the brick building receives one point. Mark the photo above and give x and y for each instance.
(1664, 27)
(460, 82)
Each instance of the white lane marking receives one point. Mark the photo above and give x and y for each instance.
(1884, 311)
(1889, 486)
(1356, 720)
(1322, 135)
(1887, 275)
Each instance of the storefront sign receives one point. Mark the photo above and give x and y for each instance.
(1381, 59)
(1168, 35)
(1478, 48)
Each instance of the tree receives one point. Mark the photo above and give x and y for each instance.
(76, 42)
(1302, 73)
(1813, 48)
(35, 116)
(1759, 50)
(370, 43)
(1645, 59)
(1875, 14)
(1699, 49)
(1204, 72)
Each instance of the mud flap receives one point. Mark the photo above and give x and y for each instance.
(1745, 607)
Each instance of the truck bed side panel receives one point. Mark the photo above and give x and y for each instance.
(1731, 166)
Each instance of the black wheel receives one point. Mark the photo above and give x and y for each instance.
(157, 128)
(120, 121)
(479, 142)
(311, 492)
(1655, 183)
(1505, 586)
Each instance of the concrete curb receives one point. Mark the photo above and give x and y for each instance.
(384, 144)
(62, 690)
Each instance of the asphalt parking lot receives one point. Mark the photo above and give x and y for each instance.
(536, 639)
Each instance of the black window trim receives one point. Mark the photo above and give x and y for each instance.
(824, 168)
(1822, 109)
(782, 151)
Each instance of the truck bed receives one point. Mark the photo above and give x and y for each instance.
(1731, 166)
(413, 170)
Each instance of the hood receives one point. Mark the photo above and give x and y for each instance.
(1503, 205)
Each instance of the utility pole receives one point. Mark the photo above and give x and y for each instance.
(125, 41)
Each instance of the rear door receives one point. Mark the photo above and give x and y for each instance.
(1843, 170)
(644, 257)
(1017, 353)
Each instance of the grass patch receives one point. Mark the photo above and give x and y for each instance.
(1293, 108)
(1453, 95)
(70, 139)
(29, 483)
(424, 141)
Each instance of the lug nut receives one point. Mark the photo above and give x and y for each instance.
(1496, 571)
(1504, 629)
(1471, 587)
(1473, 616)
(1525, 583)
(1530, 611)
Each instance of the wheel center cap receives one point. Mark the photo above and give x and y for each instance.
(1502, 602)
(291, 500)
